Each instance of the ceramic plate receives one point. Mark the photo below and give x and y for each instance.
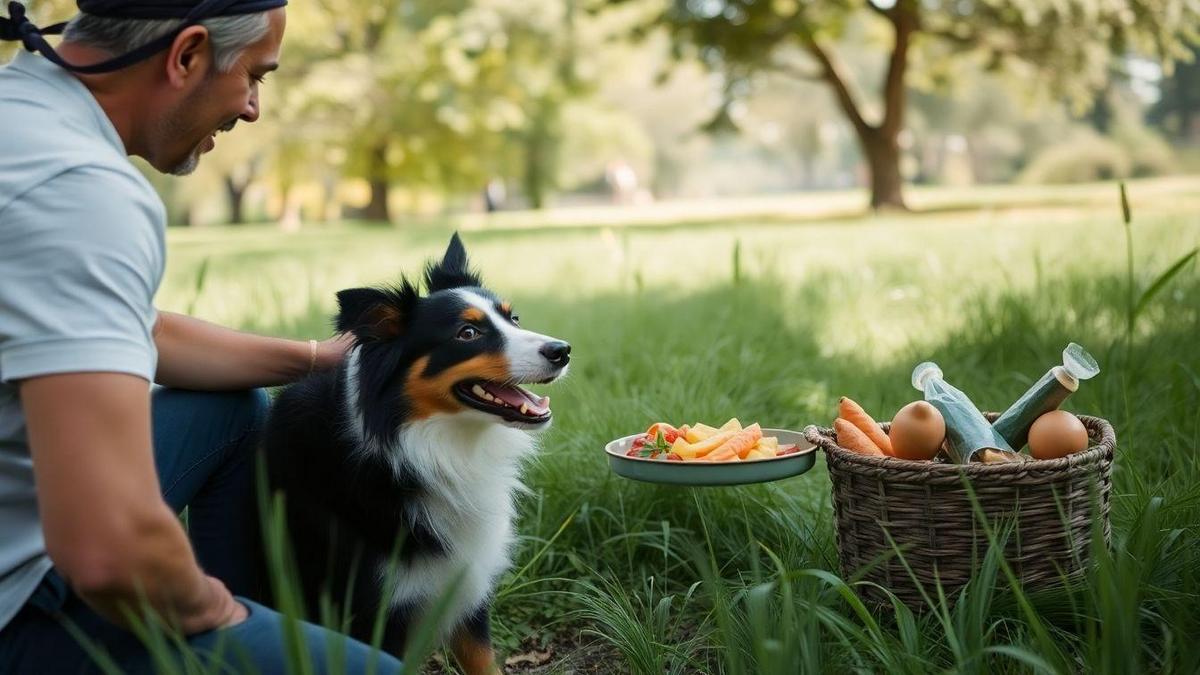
(714, 473)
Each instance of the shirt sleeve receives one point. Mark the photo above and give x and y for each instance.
(80, 259)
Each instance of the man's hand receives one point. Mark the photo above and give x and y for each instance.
(224, 611)
(331, 352)
(107, 529)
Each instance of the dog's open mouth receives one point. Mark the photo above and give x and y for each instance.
(510, 402)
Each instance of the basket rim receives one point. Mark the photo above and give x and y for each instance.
(823, 437)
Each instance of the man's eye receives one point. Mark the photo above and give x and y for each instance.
(468, 333)
(259, 78)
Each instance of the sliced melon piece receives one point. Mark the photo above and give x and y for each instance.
(699, 432)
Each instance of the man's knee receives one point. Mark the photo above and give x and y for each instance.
(246, 409)
(235, 413)
(262, 637)
(257, 406)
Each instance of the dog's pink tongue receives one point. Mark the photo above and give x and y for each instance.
(517, 397)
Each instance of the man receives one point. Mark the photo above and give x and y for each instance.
(90, 533)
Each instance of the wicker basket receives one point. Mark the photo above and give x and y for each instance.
(926, 509)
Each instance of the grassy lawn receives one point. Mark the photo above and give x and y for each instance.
(669, 323)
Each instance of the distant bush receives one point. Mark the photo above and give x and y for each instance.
(1149, 154)
(1085, 156)
(1131, 151)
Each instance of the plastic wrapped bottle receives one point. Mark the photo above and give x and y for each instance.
(1046, 394)
(967, 430)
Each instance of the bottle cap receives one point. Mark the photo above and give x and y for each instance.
(1079, 363)
(923, 372)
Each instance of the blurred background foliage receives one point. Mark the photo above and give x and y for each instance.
(398, 110)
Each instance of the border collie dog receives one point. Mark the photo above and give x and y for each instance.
(410, 452)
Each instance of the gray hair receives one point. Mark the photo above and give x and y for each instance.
(230, 35)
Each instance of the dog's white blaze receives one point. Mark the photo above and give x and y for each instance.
(521, 346)
(472, 471)
(350, 394)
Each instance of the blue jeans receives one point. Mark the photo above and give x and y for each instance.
(204, 447)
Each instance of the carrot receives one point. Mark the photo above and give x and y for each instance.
(852, 438)
(854, 413)
(737, 446)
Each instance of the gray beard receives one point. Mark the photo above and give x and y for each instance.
(187, 166)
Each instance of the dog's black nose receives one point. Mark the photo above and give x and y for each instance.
(557, 352)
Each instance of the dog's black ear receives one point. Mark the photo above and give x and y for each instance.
(376, 314)
(453, 271)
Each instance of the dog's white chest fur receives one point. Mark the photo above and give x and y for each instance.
(470, 469)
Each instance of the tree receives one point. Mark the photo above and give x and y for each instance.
(1062, 45)
(1177, 112)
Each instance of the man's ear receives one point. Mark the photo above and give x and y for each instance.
(189, 55)
(453, 271)
(374, 314)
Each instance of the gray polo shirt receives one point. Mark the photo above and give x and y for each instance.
(81, 256)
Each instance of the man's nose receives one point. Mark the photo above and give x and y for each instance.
(250, 113)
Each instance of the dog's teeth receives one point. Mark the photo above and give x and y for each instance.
(478, 391)
(524, 409)
(545, 402)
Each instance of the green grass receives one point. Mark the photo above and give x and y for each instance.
(669, 323)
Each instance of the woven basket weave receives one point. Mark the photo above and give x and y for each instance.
(926, 509)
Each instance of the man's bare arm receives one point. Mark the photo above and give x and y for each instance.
(107, 529)
(195, 354)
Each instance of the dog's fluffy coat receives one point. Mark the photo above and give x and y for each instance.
(411, 451)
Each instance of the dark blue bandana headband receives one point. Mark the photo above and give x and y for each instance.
(18, 28)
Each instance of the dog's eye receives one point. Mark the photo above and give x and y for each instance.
(515, 319)
(468, 333)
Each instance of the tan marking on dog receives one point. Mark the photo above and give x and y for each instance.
(432, 395)
(472, 314)
(506, 307)
(473, 656)
(383, 321)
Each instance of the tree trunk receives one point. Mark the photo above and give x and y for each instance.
(377, 208)
(880, 143)
(235, 192)
(534, 180)
(883, 156)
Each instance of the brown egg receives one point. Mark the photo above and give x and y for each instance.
(917, 431)
(1056, 434)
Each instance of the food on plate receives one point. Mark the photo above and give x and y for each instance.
(730, 442)
(917, 431)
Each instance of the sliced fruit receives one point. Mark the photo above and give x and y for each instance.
(711, 443)
(742, 442)
(683, 449)
(732, 425)
(700, 432)
(669, 432)
(721, 455)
